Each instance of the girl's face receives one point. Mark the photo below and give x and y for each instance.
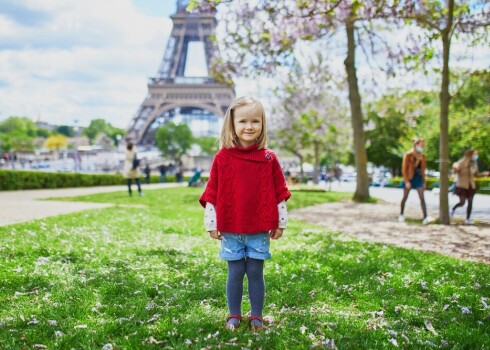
(247, 122)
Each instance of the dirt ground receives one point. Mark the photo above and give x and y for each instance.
(379, 223)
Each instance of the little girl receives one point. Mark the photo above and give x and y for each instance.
(245, 205)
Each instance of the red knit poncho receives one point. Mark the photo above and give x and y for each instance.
(245, 185)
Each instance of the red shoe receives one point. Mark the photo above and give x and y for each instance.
(256, 328)
(232, 326)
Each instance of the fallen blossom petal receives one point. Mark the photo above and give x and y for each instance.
(429, 327)
(80, 326)
(394, 342)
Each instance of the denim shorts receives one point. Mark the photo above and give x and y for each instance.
(239, 246)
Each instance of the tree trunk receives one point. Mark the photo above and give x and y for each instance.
(445, 99)
(360, 154)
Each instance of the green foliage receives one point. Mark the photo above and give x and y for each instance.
(21, 125)
(482, 183)
(26, 180)
(32, 180)
(65, 130)
(43, 132)
(398, 118)
(470, 118)
(17, 134)
(100, 126)
(209, 145)
(148, 277)
(174, 140)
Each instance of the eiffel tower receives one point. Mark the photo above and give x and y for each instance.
(183, 89)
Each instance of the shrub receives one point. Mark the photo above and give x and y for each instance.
(27, 180)
(30, 180)
(482, 183)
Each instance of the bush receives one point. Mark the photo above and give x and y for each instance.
(482, 183)
(31, 180)
(27, 180)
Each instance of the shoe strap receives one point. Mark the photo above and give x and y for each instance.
(238, 317)
(258, 318)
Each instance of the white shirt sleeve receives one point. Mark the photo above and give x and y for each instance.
(210, 217)
(283, 214)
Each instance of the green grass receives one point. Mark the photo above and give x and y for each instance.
(149, 277)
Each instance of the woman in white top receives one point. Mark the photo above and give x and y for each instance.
(130, 171)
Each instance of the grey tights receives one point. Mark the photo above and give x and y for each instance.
(254, 269)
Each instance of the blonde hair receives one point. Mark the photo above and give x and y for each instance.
(228, 136)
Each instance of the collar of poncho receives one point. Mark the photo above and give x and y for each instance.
(250, 153)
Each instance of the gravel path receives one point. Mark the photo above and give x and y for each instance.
(379, 223)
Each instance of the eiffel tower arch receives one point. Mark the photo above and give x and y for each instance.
(183, 89)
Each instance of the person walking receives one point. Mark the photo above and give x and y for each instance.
(162, 168)
(245, 205)
(179, 173)
(466, 170)
(147, 172)
(413, 171)
(131, 168)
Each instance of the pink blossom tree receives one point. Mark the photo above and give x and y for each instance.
(263, 35)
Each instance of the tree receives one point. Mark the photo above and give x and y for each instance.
(174, 140)
(209, 145)
(56, 142)
(17, 134)
(22, 125)
(65, 130)
(263, 36)
(308, 120)
(396, 119)
(100, 126)
(444, 21)
(42, 132)
(470, 118)
(95, 127)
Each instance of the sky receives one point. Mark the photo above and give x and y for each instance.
(68, 62)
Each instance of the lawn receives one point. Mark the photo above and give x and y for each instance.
(148, 276)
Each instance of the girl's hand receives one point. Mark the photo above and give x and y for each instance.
(276, 234)
(215, 234)
(408, 185)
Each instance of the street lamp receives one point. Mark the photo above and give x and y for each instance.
(118, 141)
